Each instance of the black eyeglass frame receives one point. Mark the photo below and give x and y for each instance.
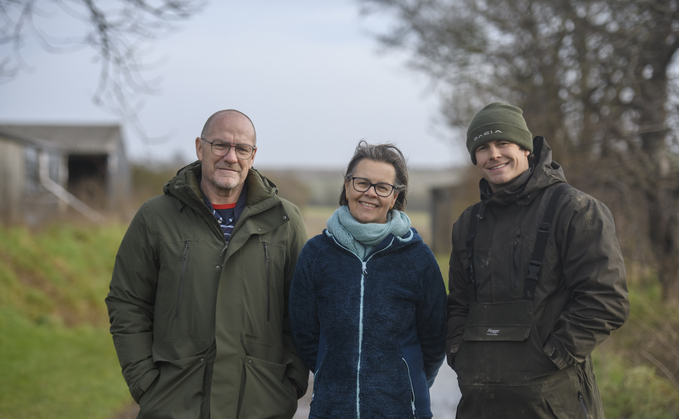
(254, 147)
(372, 185)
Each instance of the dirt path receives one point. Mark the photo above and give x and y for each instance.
(445, 394)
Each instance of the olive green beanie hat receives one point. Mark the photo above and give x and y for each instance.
(495, 122)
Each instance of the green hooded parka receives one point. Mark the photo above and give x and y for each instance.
(201, 327)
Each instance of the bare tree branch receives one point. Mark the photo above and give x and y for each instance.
(593, 76)
(118, 31)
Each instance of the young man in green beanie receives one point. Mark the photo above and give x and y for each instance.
(537, 281)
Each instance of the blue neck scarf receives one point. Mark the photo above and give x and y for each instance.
(362, 238)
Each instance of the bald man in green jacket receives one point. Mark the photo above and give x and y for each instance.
(199, 293)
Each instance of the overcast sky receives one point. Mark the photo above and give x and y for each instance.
(308, 73)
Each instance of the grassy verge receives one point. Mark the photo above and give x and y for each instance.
(59, 274)
(633, 391)
(51, 371)
(638, 366)
(56, 354)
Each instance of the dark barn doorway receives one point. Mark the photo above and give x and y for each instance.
(87, 178)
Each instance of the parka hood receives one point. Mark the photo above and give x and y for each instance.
(185, 186)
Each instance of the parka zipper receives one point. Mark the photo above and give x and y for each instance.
(268, 281)
(583, 406)
(412, 390)
(185, 256)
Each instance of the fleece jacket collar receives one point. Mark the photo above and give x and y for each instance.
(389, 244)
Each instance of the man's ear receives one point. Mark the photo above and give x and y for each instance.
(199, 148)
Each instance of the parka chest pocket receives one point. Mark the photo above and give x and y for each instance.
(501, 345)
(511, 321)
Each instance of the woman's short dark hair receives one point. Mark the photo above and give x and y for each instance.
(383, 153)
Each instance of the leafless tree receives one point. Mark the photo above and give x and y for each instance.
(595, 77)
(119, 32)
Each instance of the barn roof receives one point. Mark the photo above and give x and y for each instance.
(74, 139)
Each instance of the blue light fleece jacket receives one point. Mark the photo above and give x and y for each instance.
(373, 330)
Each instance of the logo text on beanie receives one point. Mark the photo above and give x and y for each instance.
(487, 133)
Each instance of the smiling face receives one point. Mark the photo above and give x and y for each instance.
(368, 207)
(500, 162)
(223, 177)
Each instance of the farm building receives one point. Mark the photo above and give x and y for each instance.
(48, 168)
(447, 202)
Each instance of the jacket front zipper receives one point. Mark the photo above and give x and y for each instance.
(268, 281)
(185, 257)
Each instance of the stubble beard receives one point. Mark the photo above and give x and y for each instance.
(225, 183)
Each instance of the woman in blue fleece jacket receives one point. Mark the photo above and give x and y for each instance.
(367, 302)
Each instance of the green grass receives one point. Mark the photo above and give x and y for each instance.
(50, 371)
(634, 364)
(633, 391)
(443, 261)
(57, 358)
(59, 274)
(56, 354)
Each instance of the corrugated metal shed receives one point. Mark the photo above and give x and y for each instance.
(86, 162)
(76, 139)
(13, 135)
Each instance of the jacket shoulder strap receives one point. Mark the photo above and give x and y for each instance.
(545, 226)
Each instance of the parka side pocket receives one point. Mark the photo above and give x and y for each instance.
(563, 395)
(178, 391)
(590, 396)
(266, 381)
(144, 384)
